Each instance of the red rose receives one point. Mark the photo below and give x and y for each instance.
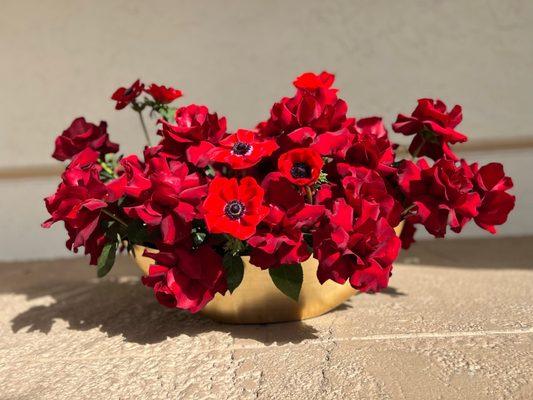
(315, 105)
(363, 185)
(78, 202)
(234, 208)
(170, 200)
(311, 81)
(371, 147)
(194, 124)
(134, 174)
(242, 150)
(442, 194)
(364, 143)
(163, 94)
(372, 126)
(194, 133)
(433, 128)
(301, 166)
(81, 135)
(279, 239)
(408, 233)
(335, 144)
(368, 193)
(496, 204)
(301, 137)
(186, 279)
(124, 96)
(359, 250)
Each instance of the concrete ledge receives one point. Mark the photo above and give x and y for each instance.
(437, 332)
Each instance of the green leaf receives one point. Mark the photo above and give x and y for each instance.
(234, 271)
(112, 230)
(167, 112)
(288, 278)
(233, 245)
(106, 224)
(136, 232)
(106, 259)
(322, 179)
(308, 238)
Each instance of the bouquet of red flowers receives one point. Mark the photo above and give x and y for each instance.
(309, 181)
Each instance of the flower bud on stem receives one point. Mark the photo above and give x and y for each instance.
(106, 168)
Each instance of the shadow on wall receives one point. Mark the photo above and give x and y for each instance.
(497, 253)
(120, 305)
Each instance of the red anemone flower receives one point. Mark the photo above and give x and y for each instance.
(234, 208)
(163, 94)
(301, 166)
(242, 149)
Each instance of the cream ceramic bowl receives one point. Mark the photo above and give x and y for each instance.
(257, 300)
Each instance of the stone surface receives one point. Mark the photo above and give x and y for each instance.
(456, 323)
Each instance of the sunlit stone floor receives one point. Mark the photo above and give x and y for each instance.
(456, 323)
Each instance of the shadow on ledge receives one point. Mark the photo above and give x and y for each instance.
(390, 291)
(120, 305)
(492, 253)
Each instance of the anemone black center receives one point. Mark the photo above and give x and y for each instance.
(234, 209)
(128, 91)
(300, 170)
(241, 148)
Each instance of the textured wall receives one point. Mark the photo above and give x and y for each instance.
(61, 59)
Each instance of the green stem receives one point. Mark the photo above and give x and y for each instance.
(422, 143)
(309, 195)
(113, 216)
(141, 118)
(407, 210)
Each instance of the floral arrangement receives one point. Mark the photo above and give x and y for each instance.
(309, 181)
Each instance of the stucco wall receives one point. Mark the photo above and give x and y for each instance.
(61, 59)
